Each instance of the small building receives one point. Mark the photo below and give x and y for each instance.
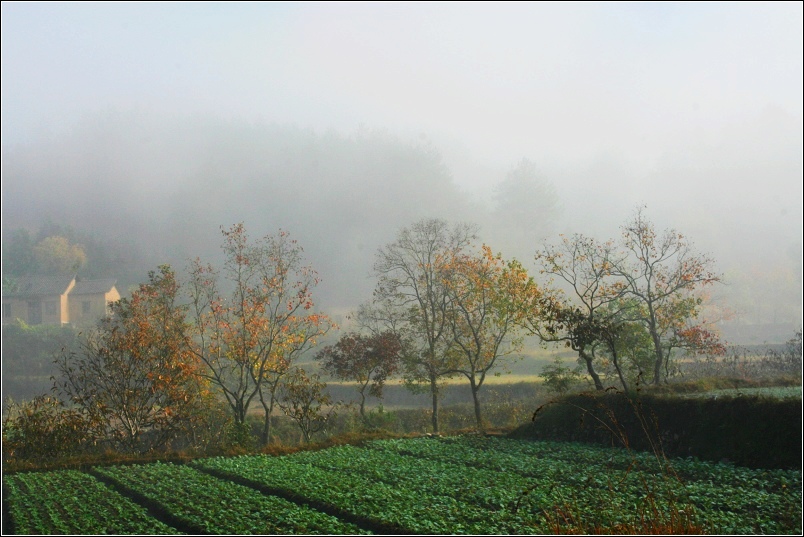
(57, 300)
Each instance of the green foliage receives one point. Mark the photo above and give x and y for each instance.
(28, 355)
(474, 484)
(18, 257)
(206, 504)
(559, 378)
(238, 435)
(381, 419)
(469, 484)
(648, 284)
(56, 255)
(65, 249)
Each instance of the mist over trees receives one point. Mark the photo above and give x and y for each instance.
(168, 189)
(138, 191)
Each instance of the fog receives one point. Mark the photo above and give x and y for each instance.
(153, 125)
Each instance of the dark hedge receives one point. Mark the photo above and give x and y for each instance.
(752, 431)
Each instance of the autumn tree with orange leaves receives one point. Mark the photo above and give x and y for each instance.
(489, 301)
(253, 318)
(133, 376)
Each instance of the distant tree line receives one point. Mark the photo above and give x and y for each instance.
(443, 307)
(58, 249)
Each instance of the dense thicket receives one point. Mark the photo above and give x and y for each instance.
(752, 431)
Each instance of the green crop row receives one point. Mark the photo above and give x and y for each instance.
(469, 484)
(496, 492)
(357, 493)
(529, 458)
(71, 502)
(731, 499)
(221, 507)
(489, 487)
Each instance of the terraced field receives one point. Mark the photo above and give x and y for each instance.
(467, 484)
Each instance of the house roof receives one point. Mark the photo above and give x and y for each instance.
(38, 285)
(90, 287)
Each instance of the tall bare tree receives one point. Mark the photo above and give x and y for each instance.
(411, 299)
(665, 275)
(584, 320)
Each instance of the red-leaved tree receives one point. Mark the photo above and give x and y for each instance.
(367, 360)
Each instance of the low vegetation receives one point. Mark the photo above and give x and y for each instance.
(468, 484)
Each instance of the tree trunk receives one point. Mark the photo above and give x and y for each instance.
(657, 370)
(475, 390)
(268, 407)
(619, 369)
(239, 412)
(266, 426)
(434, 391)
(591, 370)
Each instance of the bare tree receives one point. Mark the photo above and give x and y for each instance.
(411, 299)
(665, 275)
(586, 319)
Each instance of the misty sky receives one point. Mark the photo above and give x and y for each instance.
(564, 81)
(692, 108)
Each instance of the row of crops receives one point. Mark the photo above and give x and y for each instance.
(466, 484)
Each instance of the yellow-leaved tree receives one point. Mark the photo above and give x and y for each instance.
(489, 300)
(253, 318)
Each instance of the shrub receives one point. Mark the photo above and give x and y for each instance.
(43, 429)
(558, 377)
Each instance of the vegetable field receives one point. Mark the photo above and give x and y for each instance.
(466, 484)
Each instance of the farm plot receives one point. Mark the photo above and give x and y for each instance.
(487, 485)
(211, 505)
(729, 499)
(468, 484)
(71, 502)
(358, 494)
